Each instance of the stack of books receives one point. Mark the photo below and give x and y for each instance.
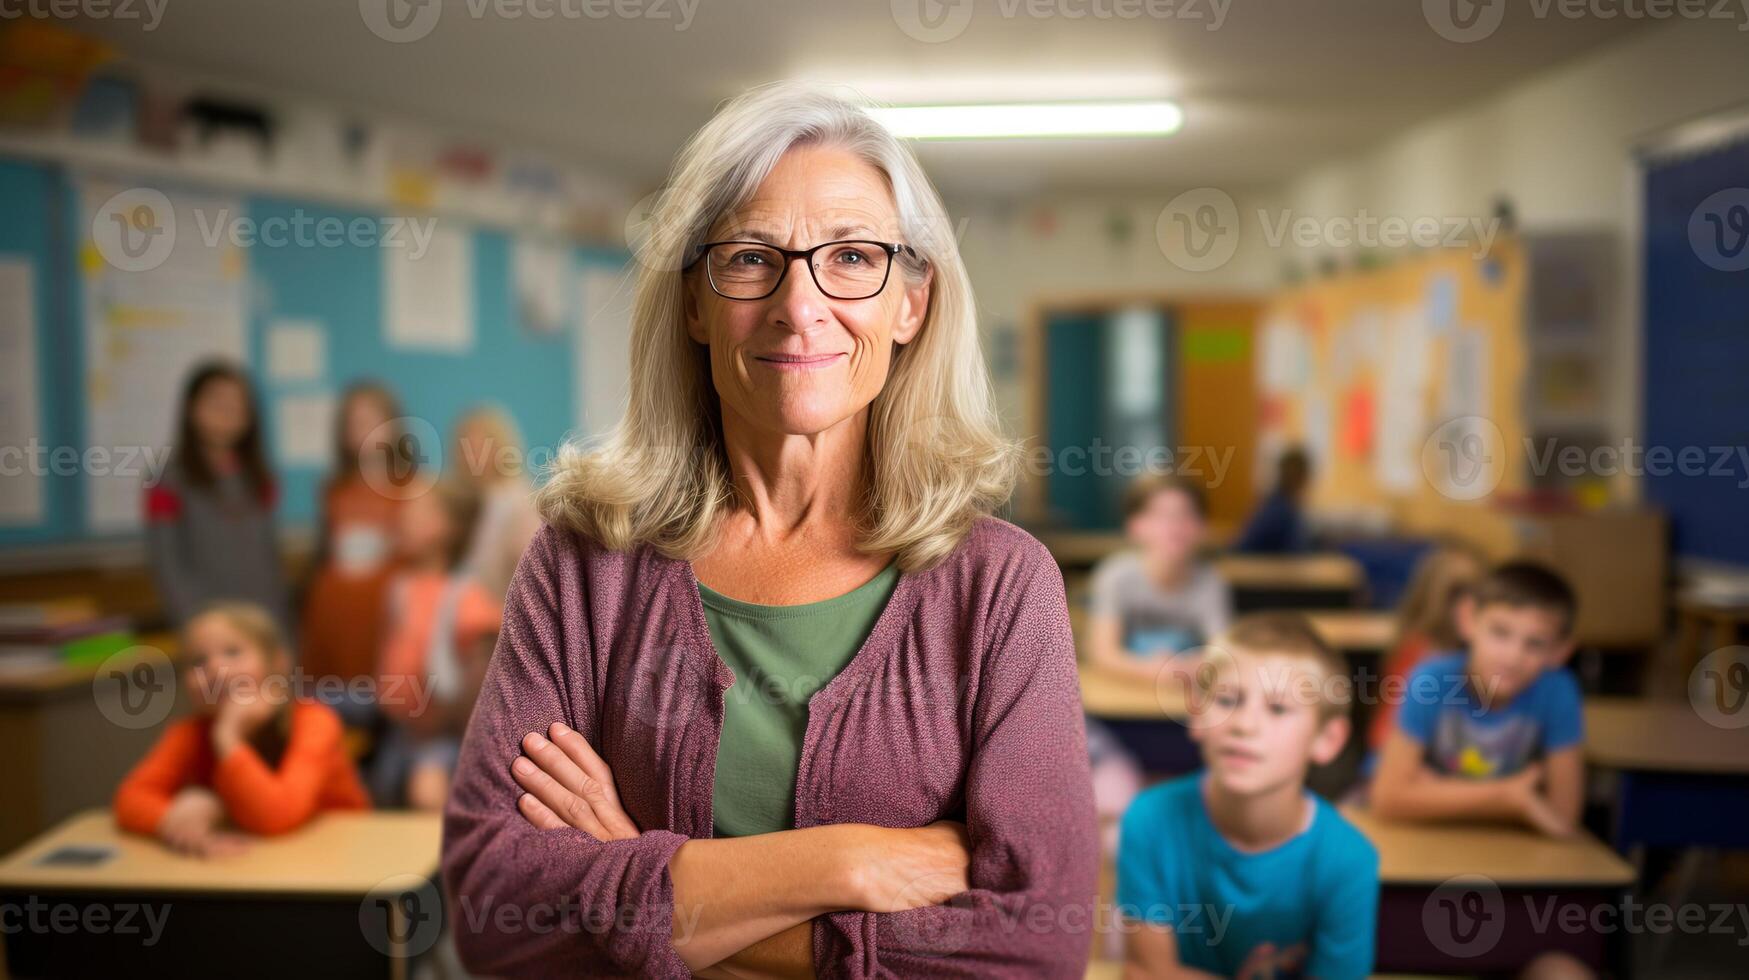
(38, 637)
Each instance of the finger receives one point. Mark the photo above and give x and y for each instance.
(619, 825)
(571, 808)
(579, 751)
(539, 814)
(553, 761)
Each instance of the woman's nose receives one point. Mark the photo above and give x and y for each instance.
(799, 303)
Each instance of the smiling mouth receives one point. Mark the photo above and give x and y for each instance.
(797, 362)
(1240, 756)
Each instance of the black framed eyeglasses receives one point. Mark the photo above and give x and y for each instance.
(844, 270)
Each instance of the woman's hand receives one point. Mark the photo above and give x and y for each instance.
(568, 785)
(907, 868)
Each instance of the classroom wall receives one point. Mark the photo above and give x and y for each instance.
(533, 376)
(1560, 146)
(1015, 262)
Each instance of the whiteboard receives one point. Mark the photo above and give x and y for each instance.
(164, 288)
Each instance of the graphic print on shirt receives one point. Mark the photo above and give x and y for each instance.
(1464, 746)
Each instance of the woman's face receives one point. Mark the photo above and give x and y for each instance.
(799, 362)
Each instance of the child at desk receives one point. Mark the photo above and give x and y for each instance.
(1427, 622)
(1239, 870)
(1157, 600)
(209, 515)
(1496, 732)
(442, 626)
(253, 754)
(1278, 525)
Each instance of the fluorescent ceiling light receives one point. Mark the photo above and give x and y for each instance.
(1023, 121)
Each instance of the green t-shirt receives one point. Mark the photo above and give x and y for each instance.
(780, 655)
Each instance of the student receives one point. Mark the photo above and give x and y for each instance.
(441, 629)
(345, 605)
(1238, 870)
(1278, 525)
(487, 463)
(253, 755)
(1495, 733)
(1426, 624)
(209, 516)
(1157, 600)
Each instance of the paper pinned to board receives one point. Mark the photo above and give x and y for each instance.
(297, 350)
(304, 428)
(542, 284)
(428, 297)
(21, 487)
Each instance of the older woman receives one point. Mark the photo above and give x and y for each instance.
(776, 695)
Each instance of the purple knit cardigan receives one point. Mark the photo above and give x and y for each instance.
(962, 704)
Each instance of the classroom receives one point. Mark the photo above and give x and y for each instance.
(818, 488)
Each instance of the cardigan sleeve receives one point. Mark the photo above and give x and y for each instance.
(1029, 813)
(528, 902)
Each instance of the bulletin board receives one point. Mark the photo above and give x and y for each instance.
(1405, 384)
(313, 319)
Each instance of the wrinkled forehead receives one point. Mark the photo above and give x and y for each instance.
(815, 194)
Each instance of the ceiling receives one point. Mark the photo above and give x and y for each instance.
(1280, 86)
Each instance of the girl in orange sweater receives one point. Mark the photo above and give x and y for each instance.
(252, 753)
(1426, 622)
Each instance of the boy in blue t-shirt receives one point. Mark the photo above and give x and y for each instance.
(1238, 870)
(1496, 733)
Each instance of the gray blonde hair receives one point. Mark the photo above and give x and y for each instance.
(937, 458)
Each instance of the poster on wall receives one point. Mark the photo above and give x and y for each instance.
(160, 295)
(21, 487)
(428, 297)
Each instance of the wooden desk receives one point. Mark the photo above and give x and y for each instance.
(354, 889)
(64, 752)
(1108, 695)
(1315, 581)
(1315, 571)
(1468, 899)
(1363, 631)
(1680, 781)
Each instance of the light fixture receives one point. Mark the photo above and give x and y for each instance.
(1039, 120)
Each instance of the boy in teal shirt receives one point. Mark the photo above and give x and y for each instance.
(1238, 870)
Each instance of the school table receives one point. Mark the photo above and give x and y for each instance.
(1470, 898)
(69, 737)
(1681, 781)
(1310, 581)
(1366, 632)
(352, 894)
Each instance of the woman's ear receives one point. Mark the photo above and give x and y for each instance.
(913, 308)
(689, 305)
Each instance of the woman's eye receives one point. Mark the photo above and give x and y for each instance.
(748, 258)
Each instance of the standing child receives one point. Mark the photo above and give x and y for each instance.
(344, 608)
(441, 630)
(253, 754)
(209, 516)
(1496, 733)
(488, 462)
(1238, 870)
(1157, 600)
(1426, 624)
